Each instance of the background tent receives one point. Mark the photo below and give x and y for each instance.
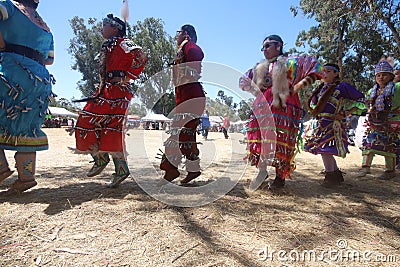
(155, 117)
(55, 111)
(156, 121)
(133, 117)
(216, 120)
(239, 123)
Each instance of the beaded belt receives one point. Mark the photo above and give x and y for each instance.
(27, 52)
(115, 73)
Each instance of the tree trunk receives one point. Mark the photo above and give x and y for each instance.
(340, 48)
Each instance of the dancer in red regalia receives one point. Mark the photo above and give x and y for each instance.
(101, 125)
(190, 103)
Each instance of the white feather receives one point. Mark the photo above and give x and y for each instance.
(125, 10)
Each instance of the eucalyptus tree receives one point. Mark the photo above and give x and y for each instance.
(157, 92)
(84, 47)
(354, 34)
(385, 16)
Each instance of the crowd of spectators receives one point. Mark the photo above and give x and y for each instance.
(58, 122)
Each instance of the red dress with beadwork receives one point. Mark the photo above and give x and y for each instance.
(101, 124)
(272, 132)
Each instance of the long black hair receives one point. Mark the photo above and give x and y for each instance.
(29, 3)
(190, 31)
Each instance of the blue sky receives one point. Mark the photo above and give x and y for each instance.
(229, 32)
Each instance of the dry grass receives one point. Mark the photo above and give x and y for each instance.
(72, 220)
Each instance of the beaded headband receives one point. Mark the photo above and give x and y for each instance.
(331, 68)
(113, 22)
(383, 66)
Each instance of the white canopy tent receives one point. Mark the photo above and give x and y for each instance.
(216, 120)
(238, 122)
(56, 111)
(155, 117)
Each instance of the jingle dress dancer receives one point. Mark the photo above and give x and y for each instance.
(274, 125)
(100, 129)
(190, 104)
(26, 47)
(383, 121)
(330, 139)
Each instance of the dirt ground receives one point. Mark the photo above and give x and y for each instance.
(72, 220)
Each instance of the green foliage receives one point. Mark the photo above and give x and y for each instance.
(353, 34)
(64, 103)
(218, 108)
(155, 93)
(228, 100)
(244, 109)
(137, 109)
(165, 104)
(225, 104)
(84, 47)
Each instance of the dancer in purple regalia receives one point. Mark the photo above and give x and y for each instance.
(327, 104)
(383, 121)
